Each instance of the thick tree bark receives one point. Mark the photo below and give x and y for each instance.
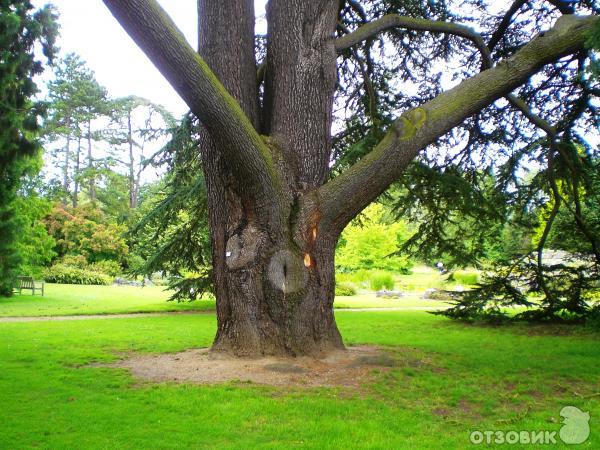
(268, 301)
(274, 219)
(299, 85)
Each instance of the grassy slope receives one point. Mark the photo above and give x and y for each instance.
(451, 378)
(82, 300)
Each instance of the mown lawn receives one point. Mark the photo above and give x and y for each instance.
(450, 378)
(68, 300)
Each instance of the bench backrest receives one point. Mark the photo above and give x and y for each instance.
(26, 282)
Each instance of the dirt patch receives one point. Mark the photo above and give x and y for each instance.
(347, 368)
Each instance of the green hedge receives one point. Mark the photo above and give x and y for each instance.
(63, 274)
(345, 290)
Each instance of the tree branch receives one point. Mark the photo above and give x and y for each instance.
(346, 195)
(505, 23)
(389, 21)
(160, 39)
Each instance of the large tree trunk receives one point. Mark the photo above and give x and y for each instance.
(279, 299)
(268, 300)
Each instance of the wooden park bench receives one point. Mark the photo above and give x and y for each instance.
(28, 283)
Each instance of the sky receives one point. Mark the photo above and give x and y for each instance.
(89, 29)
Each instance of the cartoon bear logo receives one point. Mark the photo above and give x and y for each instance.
(576, 428)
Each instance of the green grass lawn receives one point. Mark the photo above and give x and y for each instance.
(67, 300)
(451, 378)
(372, 301)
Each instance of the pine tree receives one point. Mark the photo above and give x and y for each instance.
(280, 188)
(21, 29)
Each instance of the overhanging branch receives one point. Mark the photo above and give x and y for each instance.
(346, 195)
(390, 21)
(160, 39)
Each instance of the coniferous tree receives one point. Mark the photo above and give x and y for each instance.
(22, 27)
(422, 93)
(76, 101)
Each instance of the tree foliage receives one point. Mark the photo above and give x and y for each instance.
(522, 164)
(172, 233)
(85, 231)
(75, 100)
(22, 28)
(370, 243)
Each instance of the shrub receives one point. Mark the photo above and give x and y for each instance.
(107, 267)
(344, 290)
(356, 277)
(381, 280)
(63, 274)
(464, 277)
(78, 261)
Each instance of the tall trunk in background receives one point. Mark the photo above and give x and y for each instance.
(90, 158)
(66, 164)
(76, 172)
(274, 216)
(132, 178)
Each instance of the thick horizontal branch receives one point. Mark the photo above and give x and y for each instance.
(160, 39)
(390, 21)
(345, 196)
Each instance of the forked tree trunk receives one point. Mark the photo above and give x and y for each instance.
(274, 284)
(274, 217)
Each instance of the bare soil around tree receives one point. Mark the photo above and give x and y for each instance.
(342, 368)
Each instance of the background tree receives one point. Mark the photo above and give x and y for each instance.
(136, 123)
(34, 245)
(21, 29)
(76, 101)
(275, 208)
